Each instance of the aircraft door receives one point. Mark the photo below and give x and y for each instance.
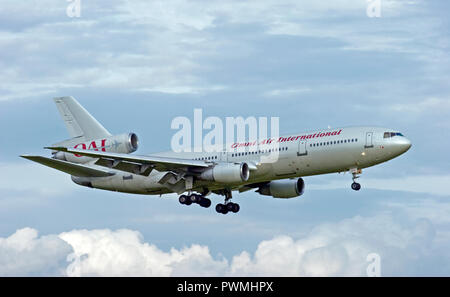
(302, 148)
(224, 156)
(369, 140)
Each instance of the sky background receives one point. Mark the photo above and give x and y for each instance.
(136, 65)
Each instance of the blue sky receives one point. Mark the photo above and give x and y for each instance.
(136, 65)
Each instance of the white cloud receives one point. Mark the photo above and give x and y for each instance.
(329, 249)
(160, 46)
(23, 253)
(337, 249)
(123, 252)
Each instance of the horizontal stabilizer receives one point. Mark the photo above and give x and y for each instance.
(70, 168)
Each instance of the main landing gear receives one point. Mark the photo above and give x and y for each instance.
(228, 206)
(356, 186)
(195, 198)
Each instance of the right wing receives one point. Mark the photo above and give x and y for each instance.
(70, 168)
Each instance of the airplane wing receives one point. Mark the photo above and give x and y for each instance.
(142, 165)
(70, 168)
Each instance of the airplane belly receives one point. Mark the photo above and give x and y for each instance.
(326, 162)
(130, 183)
(284, 166)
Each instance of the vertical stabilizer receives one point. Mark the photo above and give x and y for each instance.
(79, 122)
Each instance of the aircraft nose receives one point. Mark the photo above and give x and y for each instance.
(404, 144)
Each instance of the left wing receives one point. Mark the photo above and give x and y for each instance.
(142, 165)
(70, 168)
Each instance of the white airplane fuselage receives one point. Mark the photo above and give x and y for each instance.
(285, 157)
(273, 166)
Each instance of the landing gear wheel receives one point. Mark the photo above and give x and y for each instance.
(235, 208)
(204, 202)
(221, 208)
(230, 206)
(183, 199)
(356, 186)
(194, 198)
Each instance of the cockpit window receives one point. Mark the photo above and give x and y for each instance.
(391, 134)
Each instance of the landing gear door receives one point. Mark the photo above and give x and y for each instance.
(369, 140)
(302, 148)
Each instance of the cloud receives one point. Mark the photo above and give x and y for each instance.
(24, 253)
(339, 249)
(170, 46)
(330, 249)
(123, 253)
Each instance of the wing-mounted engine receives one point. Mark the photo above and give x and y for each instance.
(286, 188)
(227, 173)
(124, 143)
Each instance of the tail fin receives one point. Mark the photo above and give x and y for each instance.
(82, 126)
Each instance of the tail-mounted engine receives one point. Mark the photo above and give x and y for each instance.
(285, 188)
(123, 143)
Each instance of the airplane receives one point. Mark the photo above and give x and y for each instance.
(97, 159)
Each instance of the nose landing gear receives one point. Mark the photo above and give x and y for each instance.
(356, 186)
(355, 172)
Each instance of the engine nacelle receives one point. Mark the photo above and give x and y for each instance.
(285, 188)
(227, 173)
(123, 143)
